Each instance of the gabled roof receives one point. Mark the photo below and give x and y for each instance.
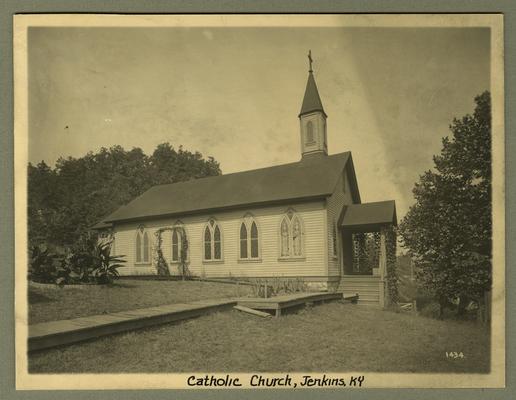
(368, 217)
(311, 101)
(313, 177)
(100, 226)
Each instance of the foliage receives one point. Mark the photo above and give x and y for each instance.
(65, 201)
(43, 264)
(276, 286)
(448, 229)
(366, 252)
(159, 258)
(407, 290)
(88, 261)
(392, 274)
(82, 258)
(161, 262)
(183, 255)
(106, 264)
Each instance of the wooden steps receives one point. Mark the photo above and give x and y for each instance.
(366, 286)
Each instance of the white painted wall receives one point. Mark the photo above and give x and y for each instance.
(340, 197)
(319, 130)
(313, 264)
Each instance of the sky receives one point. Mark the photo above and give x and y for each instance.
(235, 93)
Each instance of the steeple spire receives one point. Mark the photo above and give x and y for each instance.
(312, 118)
(311, 101)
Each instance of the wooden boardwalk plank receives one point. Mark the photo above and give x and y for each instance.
(55, 333)
(252, 311)
(286, 301)
(50, 334)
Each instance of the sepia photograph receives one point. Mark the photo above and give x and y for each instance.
(259, 201)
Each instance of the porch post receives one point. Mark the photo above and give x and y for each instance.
(383, 268)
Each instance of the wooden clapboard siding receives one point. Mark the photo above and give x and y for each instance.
(125, 240)
(313, 215)
(334, 204)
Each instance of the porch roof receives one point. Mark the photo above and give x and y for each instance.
(368, 217)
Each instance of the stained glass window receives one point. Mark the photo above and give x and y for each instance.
(212, 241)
(175, 246)
(142, 246)
(249, 238)
(254, 240)
(291, 236)
(243, 241)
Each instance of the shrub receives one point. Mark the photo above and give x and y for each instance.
(277, 286)
(43, 264)
(106, 264)
(82, 258)
(88, 261)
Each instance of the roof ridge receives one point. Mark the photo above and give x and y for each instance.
(302, 161)
(283, 182)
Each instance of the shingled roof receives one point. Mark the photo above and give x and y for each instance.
(368, 217)
(312, 177)
(311, 101)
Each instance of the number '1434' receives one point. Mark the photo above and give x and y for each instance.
(454, 354)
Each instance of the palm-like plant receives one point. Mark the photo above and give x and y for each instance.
(106, 265)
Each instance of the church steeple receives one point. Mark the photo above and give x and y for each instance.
(312, 118)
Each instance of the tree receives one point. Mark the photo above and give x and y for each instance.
(448, 229)
(64, 202)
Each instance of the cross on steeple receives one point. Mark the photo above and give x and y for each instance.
(312, 117)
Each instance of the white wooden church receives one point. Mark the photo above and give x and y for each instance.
(294, 220)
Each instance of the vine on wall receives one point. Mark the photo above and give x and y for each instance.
(376, 249)
(365, 252)
(392, 274)
(161, 262)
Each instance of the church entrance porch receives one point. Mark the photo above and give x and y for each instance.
(369, 252)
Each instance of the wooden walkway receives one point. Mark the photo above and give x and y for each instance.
(279, 303)
(55, 333)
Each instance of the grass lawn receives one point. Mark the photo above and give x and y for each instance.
(330, 337)
(52, 303)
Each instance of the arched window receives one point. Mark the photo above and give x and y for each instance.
(178, 242)
(249, 240)
(212, 241)
(142, 246)
(309, 132)
(175, 245)
(291, 236)
(243, 241)
(254, 240)
(207, 243)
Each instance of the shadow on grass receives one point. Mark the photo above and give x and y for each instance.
(35, 297)
(116, 285)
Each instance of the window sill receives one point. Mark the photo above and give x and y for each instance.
(213, 261)
(292, 258)
(249, 260)
(143, 264)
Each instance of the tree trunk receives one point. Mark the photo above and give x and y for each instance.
(463, 303)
